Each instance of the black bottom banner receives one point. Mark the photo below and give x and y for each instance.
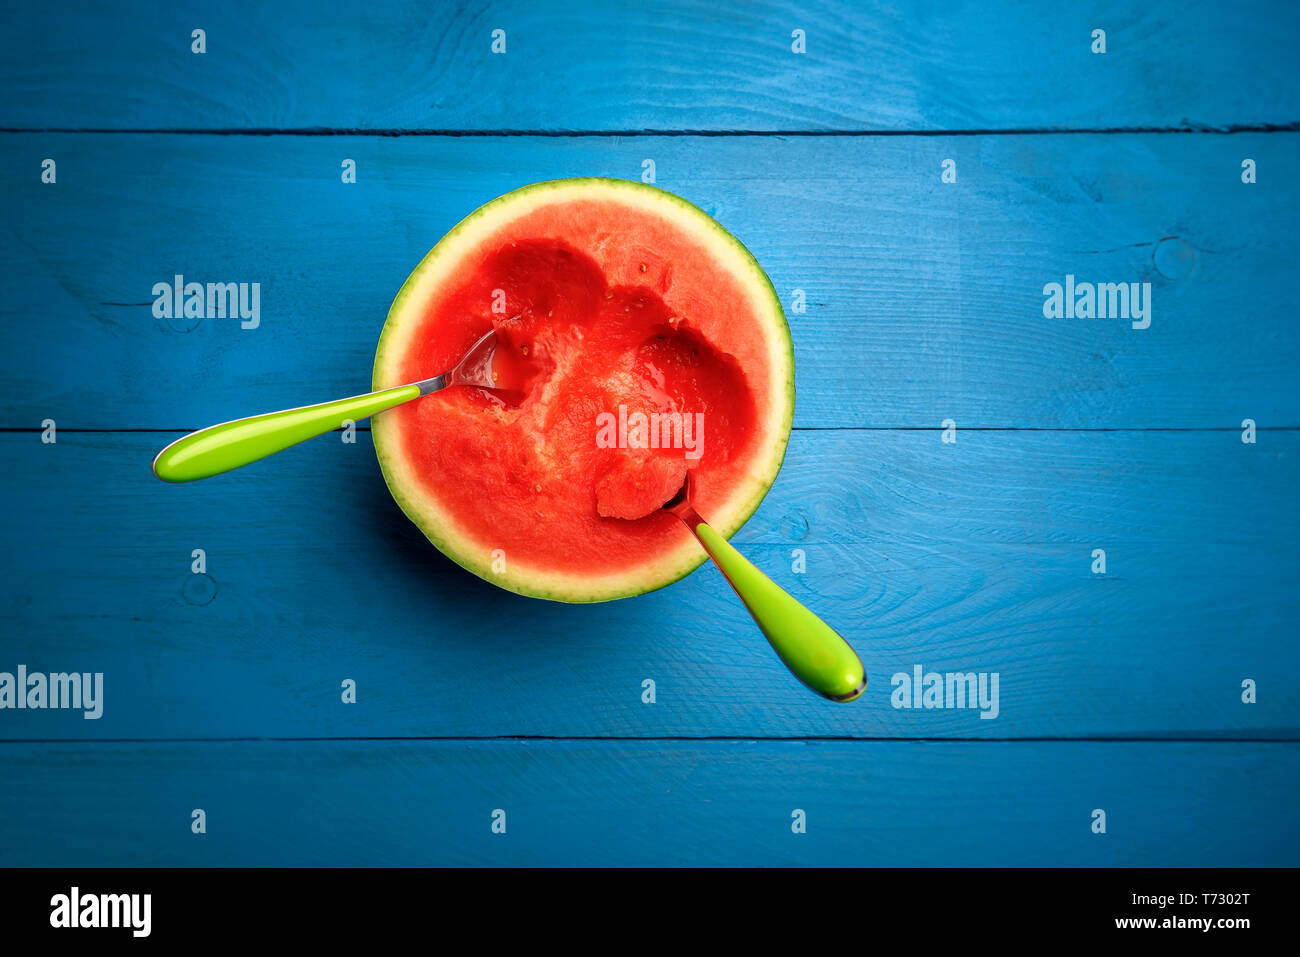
(835, 908)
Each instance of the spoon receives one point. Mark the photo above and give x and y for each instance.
(812, 650)
(220, 448)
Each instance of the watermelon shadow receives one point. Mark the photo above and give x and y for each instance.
(439, 589)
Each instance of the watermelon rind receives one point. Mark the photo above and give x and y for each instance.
(557, 584)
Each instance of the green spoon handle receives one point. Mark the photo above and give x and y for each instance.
(220, 448)
(810, 648)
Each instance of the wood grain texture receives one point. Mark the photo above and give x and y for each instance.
(387, 803)
(607, 65)
(968, 557)
(924, 303)
(924, 300)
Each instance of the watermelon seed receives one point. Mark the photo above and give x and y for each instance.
(643, 267)
(537, 488)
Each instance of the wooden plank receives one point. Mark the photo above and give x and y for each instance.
(411, 803)
(627, 66)
(924, 301)
(973, 557)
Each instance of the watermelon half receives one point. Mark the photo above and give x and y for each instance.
(610, 298)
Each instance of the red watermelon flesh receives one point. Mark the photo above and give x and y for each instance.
(583, 348)
(638, 485)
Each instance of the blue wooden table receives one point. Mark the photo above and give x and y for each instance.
(1100, 512)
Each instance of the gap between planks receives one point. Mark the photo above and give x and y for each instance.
(667, 739)
(1290, 127)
